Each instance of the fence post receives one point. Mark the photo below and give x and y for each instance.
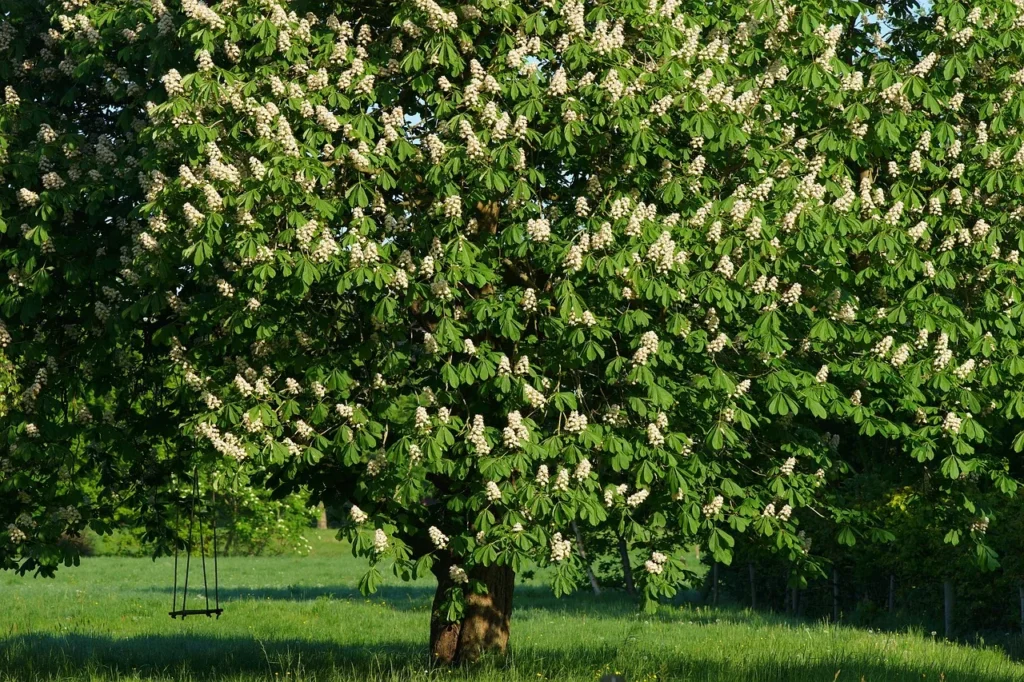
(714, 584)
(1020, 590)
(892, 592)
(753, 589)
(835, 594)
(947, 588)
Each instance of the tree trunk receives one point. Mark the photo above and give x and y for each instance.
(892, 592)
(753, 586)
(583, 555)
(444, 635)
(714, 584)
(627, 570)
(947, 588)
(485, 625)
(321, 522)
(835, 594)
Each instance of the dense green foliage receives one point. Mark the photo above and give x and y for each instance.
(680, 270)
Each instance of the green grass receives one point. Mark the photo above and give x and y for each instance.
(302, 618)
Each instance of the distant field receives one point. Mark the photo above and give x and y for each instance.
(302, 618)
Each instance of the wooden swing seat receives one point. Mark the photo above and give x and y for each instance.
(195, 612)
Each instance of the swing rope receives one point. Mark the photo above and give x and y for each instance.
(185, 611)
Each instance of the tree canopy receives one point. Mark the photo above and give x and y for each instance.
(479, 271)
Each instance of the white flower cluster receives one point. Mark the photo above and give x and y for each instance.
(576, 422)
(725, 267)
(980, 525)
(788, 467)
(952, 423)
(451, 207)
(538, 229)
(637, 498)
(515, 433)
(656, 564)
(358, 515)
(560, 549)
(763, 284)
(438, 19)
(422, 421)
(522, 366)
(172, 83)
(529, 302)
(582, 207)
(663, 253)
(882, 348)
(902, 354)
(648, 347)
(943, 355)
(583, 469)
(194, 9)
(718, 344)
(27, 198)
(543, 475)
(204, 61)
(964, 370)
(610, 494)
(792, 295)
(712, 508)
(603, 238)
(16, 534)
(226, 444)
(822, 375)
(380, 541)
(562, 480)
(458, 575)
(476, 436)
(439, 539)
(534, 397)
(504, 366)
(573, 260)
(435, 148)
(572, 13)
(654, 435)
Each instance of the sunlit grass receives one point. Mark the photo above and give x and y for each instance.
(302, 618)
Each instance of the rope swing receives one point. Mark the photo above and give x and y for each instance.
(184, 610)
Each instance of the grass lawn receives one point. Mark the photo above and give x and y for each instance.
(302, 618)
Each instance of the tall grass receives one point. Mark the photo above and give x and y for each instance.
(302, 618)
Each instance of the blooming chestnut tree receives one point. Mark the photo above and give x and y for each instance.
(482, 270)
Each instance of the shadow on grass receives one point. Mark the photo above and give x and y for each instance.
(613, 604)
(34, 658)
